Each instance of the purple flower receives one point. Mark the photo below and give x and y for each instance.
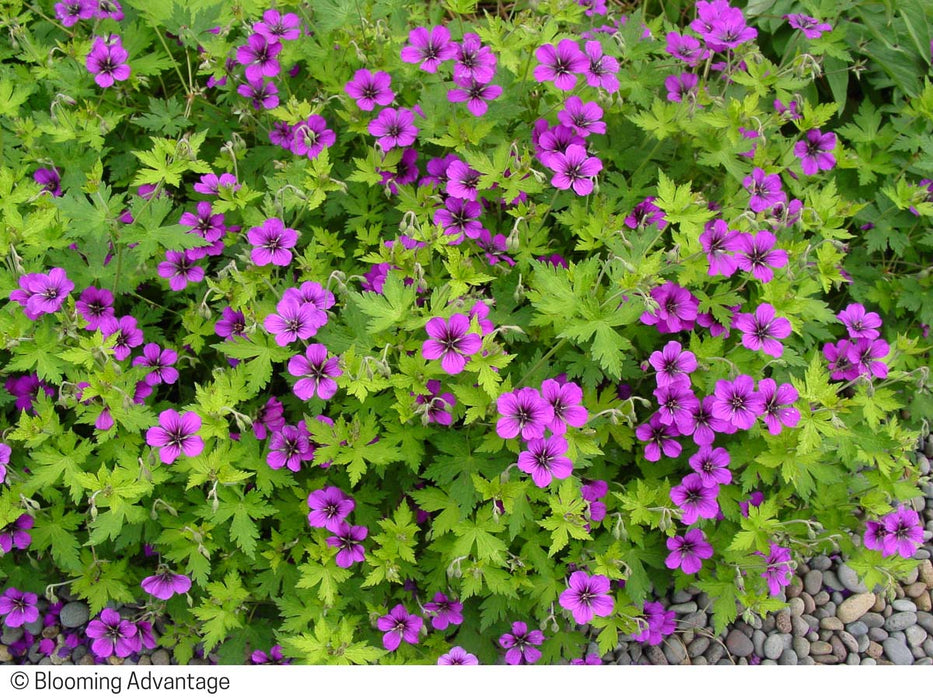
(660, 437)
(317, 372)
(444, 612)
(276, 27)
(263, 93)
(232, 323)
(673, 364)
(438, 405)
(587, 597)
(176, 434)
(329, 508)
(269, 418)
(450, 342)
(865, 357)
(681, 87)
(521, 644)
(601, 72)
(762, 330)
(524, 412)
(755, 254)
(583, 118)
(555, 142)
(282, 134)
(161, 362)
(475, 94)
(754, 500)
(645, 214)
(370, 89)
(258, 55)
(289, 447)
(703, 425)
(50, 181)
(430, 49)
(462, 181)
(860, 324)
(837, 355)
(737, 402)
(545, 459)
(658, 624)
(686, 48)
(588, 660)
(677, 309)
(125, 335)
(688, 551)
(205, 223)
(211, 183)
(778, 408)
(347, 539)
(778, 569)
(394, 127)
(5, 452)
(106, 61)
(179, 269)
(902, 533)
(696, 499)
(721, 26)
(16, 534)
(271, 241)
(113, 635)
(565, 400)
(274, 657)
(474, 62)
(20, 607)
(560, 64)
(166, 584)
(70, 12)
(311, 293)
(815, 151)
(460, 218)
(311, 137)
(293, 320)
(875, 532)
(765, 190)
(711, 465)
(41, 293)
(399, 626)
(574, 168)
(718, 243)
(811, 27)
(457, 656)
(593, 7)
(26, 388)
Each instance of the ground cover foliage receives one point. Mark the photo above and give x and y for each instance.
(376, 330)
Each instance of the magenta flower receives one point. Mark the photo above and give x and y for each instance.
(587, 597)
(860, 324)
(695, 499)
(688, 551)
(718, 243)
(20, 607)
(601, 72)
(70, 12)
(457, 656)
(840, 366)
(765, 190)
(755, 499)
(778, 569)
(902, 534)
(588, 660)
(811, 27)
(450, 342)
(205, 223)
(565, 400)
(370, 89)
(711, 465)
(271, 241)
(524, 412)
(113, 635)
(312, 136)
(762, 330)
(556, 141)
(317, 372)
(721, 26)
(815, 151)
(644, 215)
(475, 94)
(865, 357)
(583, 118)
(179, 269)
(430, 49)
(778, 408)
(560, 64)
(737, 402)
(677, 309)
(394, 127)
(574, 169)
(755, 254)
(231, 324)
(347, 540)
(673, 364)
(444, 612)
(462, 181)
(681, 87)
(263, 93)
(211, 183)
(676, 405)
(161, 362)
(273, 658)
(258, 55)
(166, 584)
(41, 293)
(294, 319)
(277, 27)
(311, 293)
(107, 61)
(289, 447)
(703, 425)
(269, 418)
(329, 508)
(521, 644)
(659, 623)
(16, 534)
(50, 180)
(686, 48)
(124, 333)
(399, 626)
(660, 437)
(545, 460)
(176, 434)
(438, 405)
(460, 218)
(5, 452)
(474, 62)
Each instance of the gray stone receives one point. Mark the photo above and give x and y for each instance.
(873, 619)
(857, 628)
(739, 644)
(928, 647)
(699, 661)
(831, 623)
(694, 620)
(806, 661)
(836, 597)
(821, 598)
(656, 656)
(925, 620)
(925, 661)
(788, 658)
(916, 635)
(34, 628)
(921, 554)
(755, 622)
(820, 648)
(849, 579)
(11, 635)
(897, 652)
(904, 606)
(715, 653)
(830, 580)
(868, 661)
(900, 621)
(758, 641)
(74, 614)
(877, 634)
(160, 657)
(623, 659)
(796, 607)
(853, 660)
(675, 651)
(813, 582)
(801, 646)
(821, 562)
(773, 647)
(848, 641)
(681, 597)
(863, 643)
(685, 608)
(698, 646)
(799, 626)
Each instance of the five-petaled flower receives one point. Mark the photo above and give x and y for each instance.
(587, 597)
(521, 645)
(399, 625)
(165, 584)
(175, 435)
(451, 342)
(113, 635)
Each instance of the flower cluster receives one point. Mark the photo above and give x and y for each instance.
(862, 354)
(899, 532)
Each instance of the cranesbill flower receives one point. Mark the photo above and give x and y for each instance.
(865, 357)
(160, 361)
(311, 293)
(545, 459)
(274, 657)
(737, 402)
(269, 418)
(778, 408)
(588, 660)
(41, 293)
(438, 405)
(16, 534)
(460, 218)
(560, 64)
(179, 269)
(722, 27)
(113, 635)
(176, 434)
(444, 612)
(765, 190)
(450, 342)
(673, 364)
(565, 400)
(312, 136)
(347, 540)
(696, 499)
(462, 181)
(762, 330)
(430, 49)
(457, 656)
(394, 127)
(258, 55)
(205, 223)
(660, 437)
(70, 12)
(166, 584)
(680, 87)
(711, 465)
(602, 69)
(659, 623)
(20, 607)
(474, 62)
(584, 118)
(231, 324)
(107, 60)
(676, 404)
(317, 372)
(685, 48)
(688, 551)
(556, 141)
(574, 169)
(524, 412)
(124, 333)
(587, 597)
(645, 214)
(778, 569)
(718, 243)
(329, 507)
(50, 180)
(815, 151)
(677, 309)
(811, 27)
(875, 532)
(271, 241)
(703, 425)
(211, 183)
(5, 452)
(840, 366)
(289, 447)
(276, 26)
(903, 533)
(860, 324)
(755, 499)
(494, 248)
(294, 320)
(521, 644)
(756, 254)
(475, 94)
(263, 93)
(370, 89)
(399, 626)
